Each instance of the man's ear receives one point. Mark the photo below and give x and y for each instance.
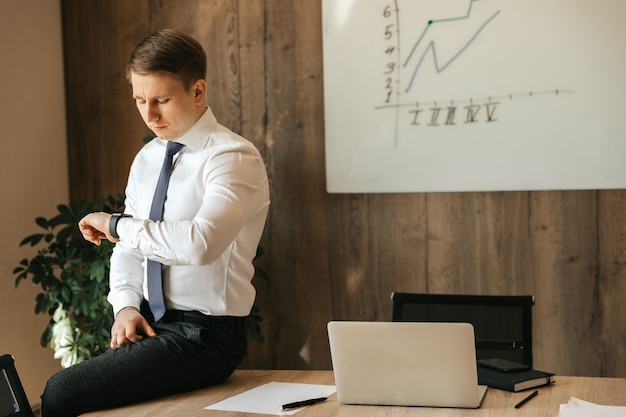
(199, 91)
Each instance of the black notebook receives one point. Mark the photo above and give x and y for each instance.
(513, 381)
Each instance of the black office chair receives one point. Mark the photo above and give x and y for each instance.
(502, 323)
(13, 401)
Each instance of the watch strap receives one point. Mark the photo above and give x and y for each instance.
(115, 218)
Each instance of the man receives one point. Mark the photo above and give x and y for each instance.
(202, 244)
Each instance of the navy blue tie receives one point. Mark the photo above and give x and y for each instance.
(154, 268)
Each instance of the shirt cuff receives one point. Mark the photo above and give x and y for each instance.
(128, 229)
(121, 301)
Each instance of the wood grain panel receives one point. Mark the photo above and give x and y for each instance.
(564, 237)
(477, 243)
(253, 125)
(398, 247)
(612, 282)
(365, 266)
(298, 238)
(105, 130)
(339, 257)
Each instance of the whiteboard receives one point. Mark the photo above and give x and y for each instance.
(474, 95)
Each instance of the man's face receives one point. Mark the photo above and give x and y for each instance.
(164, 104)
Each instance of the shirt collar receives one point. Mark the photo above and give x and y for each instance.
(198, 135)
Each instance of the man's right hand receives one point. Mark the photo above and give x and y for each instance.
(129, 327)
(95, 227)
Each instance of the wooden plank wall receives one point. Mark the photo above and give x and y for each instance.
(340, 256)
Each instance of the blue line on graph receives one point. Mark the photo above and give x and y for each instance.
(431, 47)
(431, 22)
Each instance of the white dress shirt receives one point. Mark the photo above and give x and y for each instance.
(214, 215)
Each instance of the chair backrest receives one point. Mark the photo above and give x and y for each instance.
(502, 323)
(13, 401)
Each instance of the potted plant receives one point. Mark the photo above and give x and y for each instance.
(73, 276)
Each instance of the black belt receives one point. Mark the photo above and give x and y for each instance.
(195, 317)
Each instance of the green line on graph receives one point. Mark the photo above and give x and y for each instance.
(430, 22)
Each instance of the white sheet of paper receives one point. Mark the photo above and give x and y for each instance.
(579, 408)
(269, 398)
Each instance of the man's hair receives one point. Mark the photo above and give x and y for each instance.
(169, 51)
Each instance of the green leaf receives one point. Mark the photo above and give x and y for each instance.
(65, 234)
(32, 239)
(42, 222)
(97, 270)
(46, 335)
(21, 269)
(65, 213)
(42, 305)
(66, 294)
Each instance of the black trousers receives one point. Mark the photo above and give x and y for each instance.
(182, 357)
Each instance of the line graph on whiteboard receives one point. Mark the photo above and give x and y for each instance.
(401, 71)
(473, 95)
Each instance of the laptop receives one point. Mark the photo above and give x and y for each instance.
(405, 363)
(13, 401)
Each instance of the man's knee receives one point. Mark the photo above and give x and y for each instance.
(56, 399)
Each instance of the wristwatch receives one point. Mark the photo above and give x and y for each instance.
(115, 217)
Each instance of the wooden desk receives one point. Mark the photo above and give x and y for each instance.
(606, 391)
